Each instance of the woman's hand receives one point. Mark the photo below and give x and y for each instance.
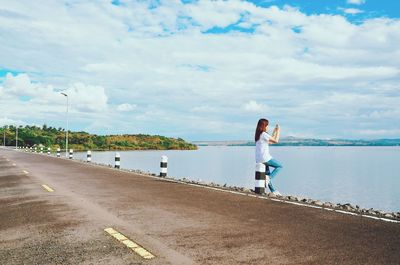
(275, 135)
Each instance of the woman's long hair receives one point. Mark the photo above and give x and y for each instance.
(261, 125)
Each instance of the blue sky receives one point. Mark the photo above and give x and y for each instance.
(203, 70)
(370, 8)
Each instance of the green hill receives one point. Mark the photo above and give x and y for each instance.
(55, 137)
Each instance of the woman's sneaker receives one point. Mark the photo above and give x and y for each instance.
(266, 181)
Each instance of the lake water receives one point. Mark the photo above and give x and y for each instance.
(366, 176)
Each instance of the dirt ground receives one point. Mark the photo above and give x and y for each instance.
(178, 223)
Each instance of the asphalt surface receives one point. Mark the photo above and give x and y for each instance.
(178, 223)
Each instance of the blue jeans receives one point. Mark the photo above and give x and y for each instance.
(277, 167)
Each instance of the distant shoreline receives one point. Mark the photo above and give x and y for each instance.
(292, 141)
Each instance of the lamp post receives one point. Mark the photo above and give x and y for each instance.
(66, 136)
(16, 137)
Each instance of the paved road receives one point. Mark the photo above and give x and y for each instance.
(178, 223)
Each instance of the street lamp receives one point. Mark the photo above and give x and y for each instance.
(16, 137)
(66, 136)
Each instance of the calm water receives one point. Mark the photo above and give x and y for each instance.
(367, 176)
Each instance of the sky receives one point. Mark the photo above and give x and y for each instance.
(203, 70)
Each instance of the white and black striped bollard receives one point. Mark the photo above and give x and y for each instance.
(58, 152)
(49, 151)
(89, 156)
(117, 160)
(260, 179)
(71, 153)
(163, 166)
(35, 149)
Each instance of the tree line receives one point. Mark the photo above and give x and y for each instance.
(47, 136)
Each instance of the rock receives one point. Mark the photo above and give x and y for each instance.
(304, 200)
(246, 190)
(378, 212)
(347, 207)
(318, 203)
(388, 215)
(271, 195)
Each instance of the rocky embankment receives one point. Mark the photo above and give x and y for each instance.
(341, 207)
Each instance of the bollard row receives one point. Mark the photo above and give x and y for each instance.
(117, 165)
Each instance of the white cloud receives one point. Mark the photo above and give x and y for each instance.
(217, 13)
(126, 107)
(19, 90)
(356, 2)
(21, 85)
(352, 11)
(108, 54)
(87, 97)
(205, 109)
(6, 121)
(253, 106)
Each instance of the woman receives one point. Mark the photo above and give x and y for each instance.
(263, 139)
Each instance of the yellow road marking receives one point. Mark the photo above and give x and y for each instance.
(119, 237)
(129, 243)
(143, 253)
(110, 231)
(26, 172)
(47, 188)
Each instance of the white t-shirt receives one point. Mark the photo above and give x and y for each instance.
(262, 148)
